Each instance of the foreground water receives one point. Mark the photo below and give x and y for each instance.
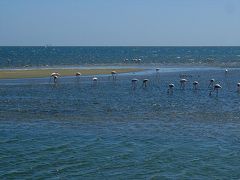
(109, 131)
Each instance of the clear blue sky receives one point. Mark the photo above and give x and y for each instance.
(120, 22)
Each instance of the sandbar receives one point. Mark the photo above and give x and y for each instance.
(41, 73)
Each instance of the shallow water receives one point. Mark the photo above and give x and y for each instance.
(76, 129)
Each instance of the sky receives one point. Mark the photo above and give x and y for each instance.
(120, 22)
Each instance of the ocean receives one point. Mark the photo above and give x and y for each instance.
(12, 57)
(79, 130)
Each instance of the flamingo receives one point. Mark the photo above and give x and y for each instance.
(182, 83)
(95, 81)
(195, 84)
(157, 73)
(226, 72)
(211, 82)
(145, 81)
(134, 83)
(216, 88)
(135, 60)
(78, 74)
(170, 88)
(55, 76)
(114, 75)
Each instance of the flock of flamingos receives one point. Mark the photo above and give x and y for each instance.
(212, 85)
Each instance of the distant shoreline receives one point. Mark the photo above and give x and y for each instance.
(41, 73)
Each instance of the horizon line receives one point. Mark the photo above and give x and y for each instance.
(119, 45)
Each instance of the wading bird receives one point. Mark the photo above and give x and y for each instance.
(95, 80)
(170, 88)
(157, 73)
(114, 75)
(226, 72)
(134, 83)
(145, 82)
(55, 76)
(78, 74)
(211, 82)
(216, 88)
(195, 84)
(182, 83)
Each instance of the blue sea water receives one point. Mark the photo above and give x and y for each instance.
(11, 57)
(79, 130)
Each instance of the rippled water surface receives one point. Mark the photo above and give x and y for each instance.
(11, 57)
(77, 129)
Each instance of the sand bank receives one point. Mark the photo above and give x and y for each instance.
(40, 73)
